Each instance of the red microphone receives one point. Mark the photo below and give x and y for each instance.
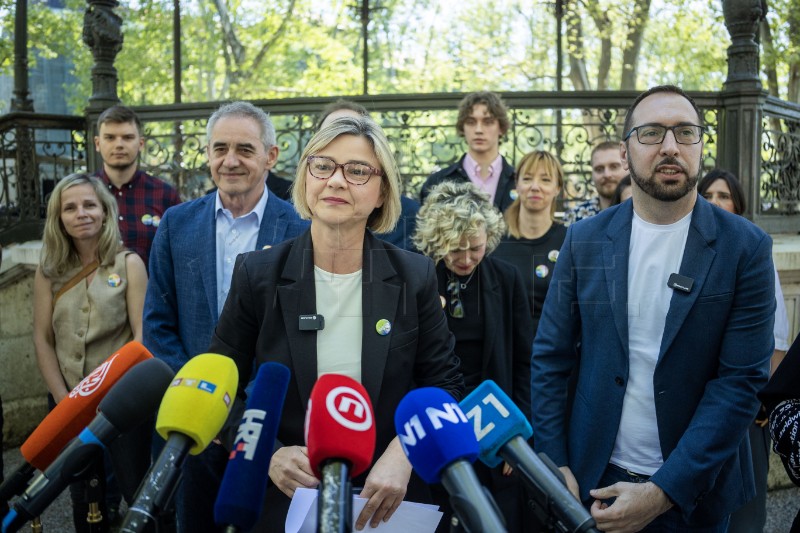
(340, 435)
(70, 416)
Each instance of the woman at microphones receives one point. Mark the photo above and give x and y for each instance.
(88, 293)
(487, 310)
(338, 300)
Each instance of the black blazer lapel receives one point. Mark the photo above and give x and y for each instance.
(380, 301)
(298, 297)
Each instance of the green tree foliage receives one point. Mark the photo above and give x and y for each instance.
(292, 48)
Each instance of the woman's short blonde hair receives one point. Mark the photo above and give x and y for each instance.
(453, 211)
(383, 219)
(58, 250)
(530, 165)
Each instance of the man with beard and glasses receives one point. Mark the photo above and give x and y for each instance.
(141, 198)
(673, 300)
(607, 171)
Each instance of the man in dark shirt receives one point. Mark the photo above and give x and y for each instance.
(141, 198)
(483, 122)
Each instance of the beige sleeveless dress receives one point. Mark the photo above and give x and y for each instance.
(91, 322)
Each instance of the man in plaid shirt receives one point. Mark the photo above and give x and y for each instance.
(142, 199)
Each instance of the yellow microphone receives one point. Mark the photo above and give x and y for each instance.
(192, 412)
(199, 399)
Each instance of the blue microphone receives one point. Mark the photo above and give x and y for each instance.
(502, 431)
(439, 442)
(244, 484)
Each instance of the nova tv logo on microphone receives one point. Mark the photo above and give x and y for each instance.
(349, 408)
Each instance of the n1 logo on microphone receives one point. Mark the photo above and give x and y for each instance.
(414, 430)
(349, 408)
(475, 415)
(248, 434)
(92, 382)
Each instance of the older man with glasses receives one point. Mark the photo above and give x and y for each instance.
(673, 301)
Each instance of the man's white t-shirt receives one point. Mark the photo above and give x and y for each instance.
(656, 251)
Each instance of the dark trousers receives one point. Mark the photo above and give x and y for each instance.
(752, 516)
(197, 491)
(669, 522)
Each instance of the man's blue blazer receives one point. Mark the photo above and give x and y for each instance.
(180, 309)
(714, 357)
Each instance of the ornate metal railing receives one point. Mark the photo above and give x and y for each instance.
(421, 129)
(36, 150)
(780, 161)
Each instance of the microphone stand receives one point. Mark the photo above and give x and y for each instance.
(335, 501)
(95, 485)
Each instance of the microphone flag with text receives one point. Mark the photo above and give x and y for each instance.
(502, 432)
(241, 493)
(127, 405)
(192, 412)
(439, 442)
(340, 435)
(70, 416)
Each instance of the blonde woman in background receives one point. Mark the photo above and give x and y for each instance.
(88, 295)
(534, 236)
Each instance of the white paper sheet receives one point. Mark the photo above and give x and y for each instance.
(410, 516)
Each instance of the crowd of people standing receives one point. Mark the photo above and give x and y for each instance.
(625, 330)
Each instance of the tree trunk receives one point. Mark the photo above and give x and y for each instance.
(575, 45)
(633, 44)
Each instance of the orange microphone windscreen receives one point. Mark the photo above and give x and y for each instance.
(78, 409)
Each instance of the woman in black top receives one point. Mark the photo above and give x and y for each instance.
(534, 237)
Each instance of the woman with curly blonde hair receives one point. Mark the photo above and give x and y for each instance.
(487, 311)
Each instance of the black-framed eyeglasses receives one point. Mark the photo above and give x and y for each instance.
(655, 133)
(455, 307)
(323, 168)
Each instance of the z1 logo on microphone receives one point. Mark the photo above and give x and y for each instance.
(349, 408)
(475, 415)
(248, 434)
(92, 382)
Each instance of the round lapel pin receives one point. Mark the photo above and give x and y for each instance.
(383, 327)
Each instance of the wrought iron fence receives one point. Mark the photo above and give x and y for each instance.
(421, 129)
(779, 189)
(35, 152)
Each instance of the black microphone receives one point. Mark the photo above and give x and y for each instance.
(193, 410)
(129, 403)
(502, 431)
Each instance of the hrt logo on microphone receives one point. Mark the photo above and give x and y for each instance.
(248, 434)
(475, 415)
(92, 382)
(414, 430)
(349, 408)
